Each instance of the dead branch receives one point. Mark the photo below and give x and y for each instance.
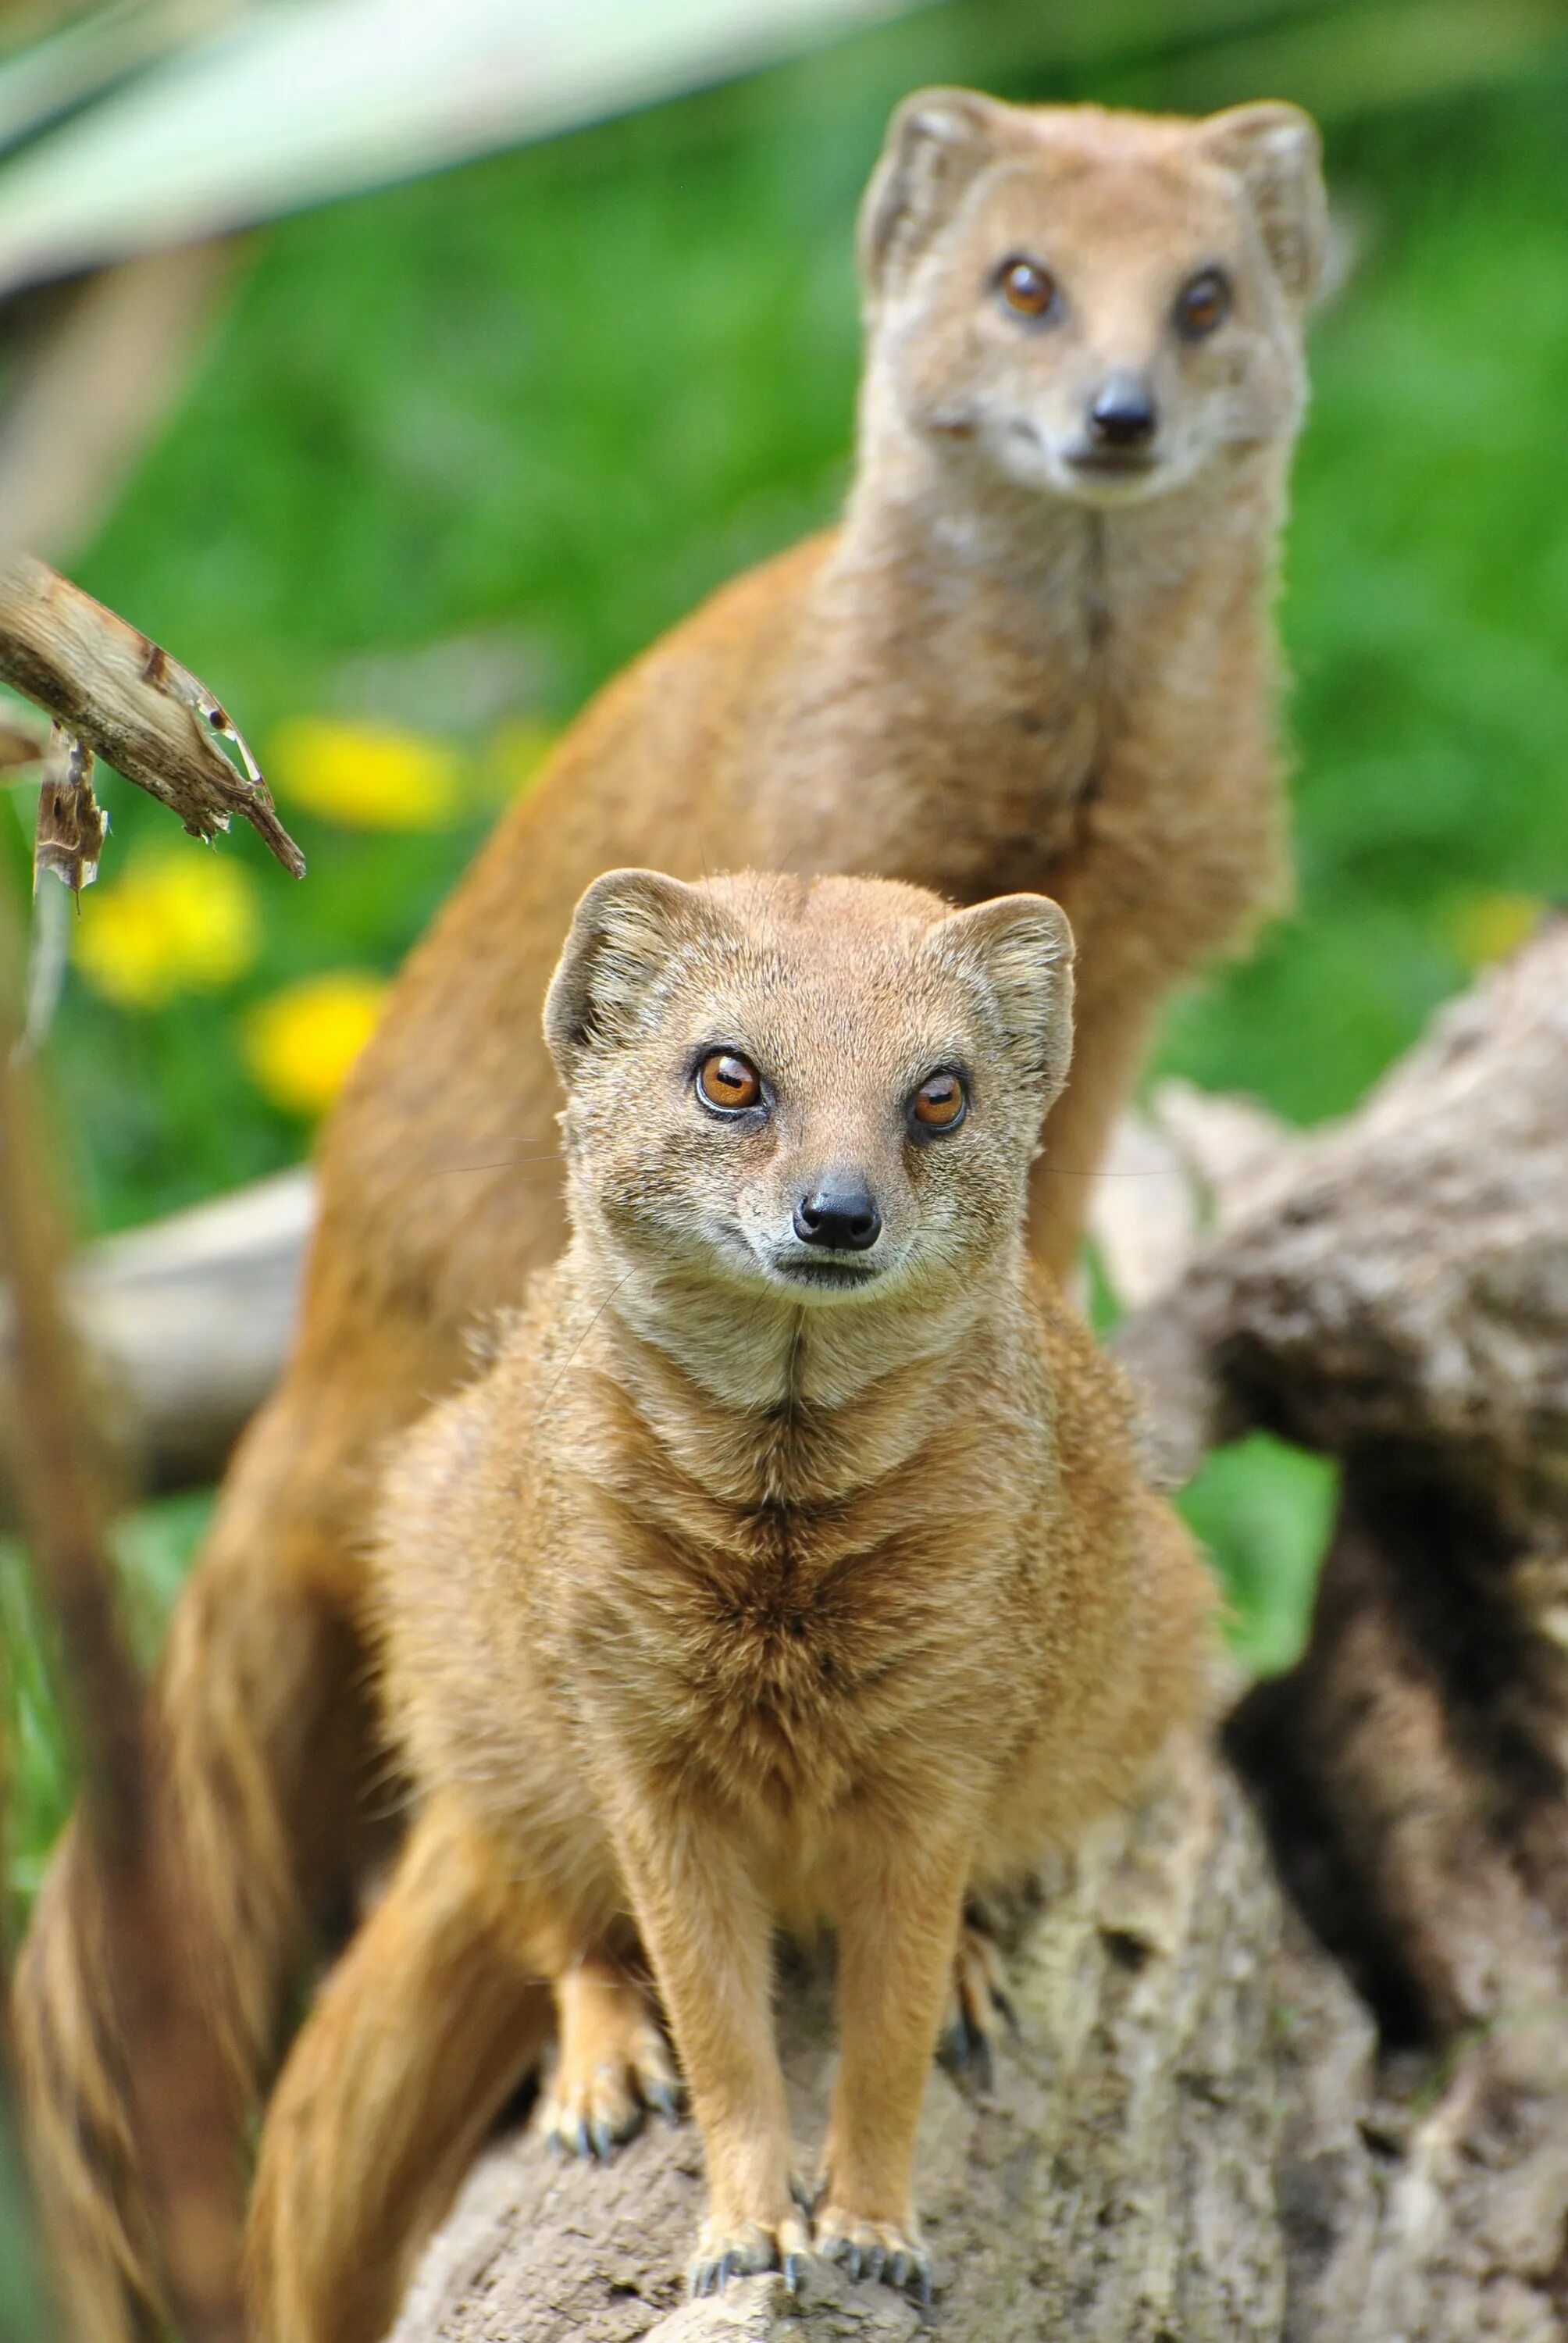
(92, 385)
(1402, 1280)
(68, 837)
(1403, 1305)
(127, 699)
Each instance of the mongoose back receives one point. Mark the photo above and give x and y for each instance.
(790, 1564)
(1036, 654)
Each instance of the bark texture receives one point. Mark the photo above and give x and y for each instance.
(1399, 1297)
(121, 695)
(1076, 2198)
(1293, 2051)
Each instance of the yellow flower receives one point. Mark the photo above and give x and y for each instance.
(1483, 928)
(368, 776)
(301, 1043)
(176, 920)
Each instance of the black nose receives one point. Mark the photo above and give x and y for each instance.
(842, 1214)
(1123, 413)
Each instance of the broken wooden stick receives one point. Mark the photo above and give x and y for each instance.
(123, 696)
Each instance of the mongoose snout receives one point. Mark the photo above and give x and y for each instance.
(1123, 418)
(841, 1213)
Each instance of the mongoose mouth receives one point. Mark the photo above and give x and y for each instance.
(832, 1276)
(1114, 463)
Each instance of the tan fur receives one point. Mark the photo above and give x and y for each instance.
(998, 673)
(730, 1602)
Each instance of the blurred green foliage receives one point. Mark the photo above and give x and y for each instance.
(22, 2317)
(528, 412)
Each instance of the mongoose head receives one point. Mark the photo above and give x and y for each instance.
(824, 1087)
(1090, 304)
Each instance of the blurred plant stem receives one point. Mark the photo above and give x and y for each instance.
(22, 2317)
(181, 2113)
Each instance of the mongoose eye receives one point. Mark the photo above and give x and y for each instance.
(728, 1082)
(1029, 290)
(938, 1104)
(1202, 304)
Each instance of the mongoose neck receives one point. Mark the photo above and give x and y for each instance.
(765, 1401)
(925, 510)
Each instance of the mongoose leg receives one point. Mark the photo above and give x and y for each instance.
(900, 1904)
(978, 2008)
(420, 2035)
(710, 1935)
(613, 2063)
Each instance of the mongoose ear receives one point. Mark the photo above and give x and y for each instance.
(1276, 151)
(1024, 945)
(937, 141)
(627, 928)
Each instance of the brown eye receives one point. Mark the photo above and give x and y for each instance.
(1027, 288)
(938, 1104)
(727, 1080)
(1204, 304)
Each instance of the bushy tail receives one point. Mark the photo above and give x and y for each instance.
(424, 2030)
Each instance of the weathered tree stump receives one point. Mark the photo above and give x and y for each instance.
(1293, 2040)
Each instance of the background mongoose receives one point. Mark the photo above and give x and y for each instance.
(790, 1563)
(1036, 653)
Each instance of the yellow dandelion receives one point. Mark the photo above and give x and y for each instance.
(366, 777)
(172, 922)
(1484, 928)
(300, 1043)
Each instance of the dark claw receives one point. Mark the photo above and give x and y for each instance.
(794, 2272)
(984, 2063)
(1007, 2009)
(924, 2268)
(584, 2144)
(732, 2265)
(854, 2261)
(901, 2270)
(956, 2046)
(875, 2263)
(666, 2098)
(603, 2141)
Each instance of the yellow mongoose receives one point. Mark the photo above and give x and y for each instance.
(1038, 653)
(789, 1564)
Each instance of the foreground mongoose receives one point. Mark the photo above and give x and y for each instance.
(790, 1564)
(1038, 653)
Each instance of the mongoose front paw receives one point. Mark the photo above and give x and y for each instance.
(978, 2009)
(591, 2108)
(725, 2251)
(875, 2249)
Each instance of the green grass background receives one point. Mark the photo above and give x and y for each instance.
(549, 400)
